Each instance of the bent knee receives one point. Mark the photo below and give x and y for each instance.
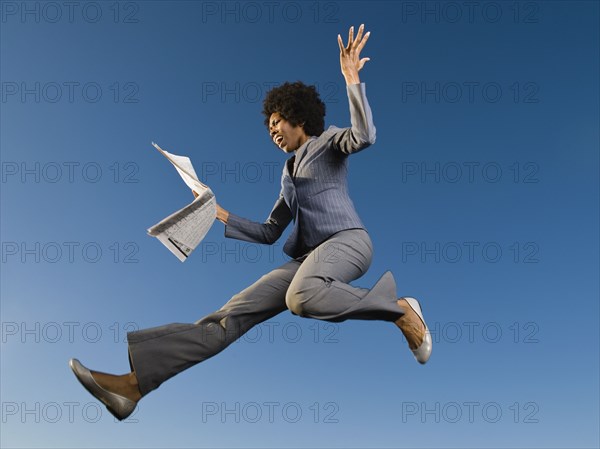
(302, 298)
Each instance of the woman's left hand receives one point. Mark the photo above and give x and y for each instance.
(350, 61)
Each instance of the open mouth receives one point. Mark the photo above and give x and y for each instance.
(278, 140)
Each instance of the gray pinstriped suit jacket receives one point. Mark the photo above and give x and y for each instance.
(314, 188)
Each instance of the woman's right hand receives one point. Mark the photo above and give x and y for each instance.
(222, 214)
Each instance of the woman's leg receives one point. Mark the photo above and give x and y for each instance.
(321, 290)
(159, 353)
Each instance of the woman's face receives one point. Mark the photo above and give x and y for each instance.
(286, 136)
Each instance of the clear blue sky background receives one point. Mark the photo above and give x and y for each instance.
(480, 194)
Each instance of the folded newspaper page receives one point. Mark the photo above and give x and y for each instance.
(183, 230)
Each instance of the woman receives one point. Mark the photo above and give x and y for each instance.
(329, 247)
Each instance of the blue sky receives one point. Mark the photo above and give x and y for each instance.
(480, 194)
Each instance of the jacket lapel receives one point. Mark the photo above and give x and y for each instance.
(289, 188)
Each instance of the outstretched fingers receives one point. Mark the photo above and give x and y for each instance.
(363, 42)
(356, 41)
(354, 44)
(350, 60)
(341, 43)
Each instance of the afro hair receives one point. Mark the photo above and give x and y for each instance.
(297, 103)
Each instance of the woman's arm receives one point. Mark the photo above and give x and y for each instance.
(362, 133)
(268, 232)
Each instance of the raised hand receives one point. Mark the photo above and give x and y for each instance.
(350, 61)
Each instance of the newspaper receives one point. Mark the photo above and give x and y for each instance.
(183, 230)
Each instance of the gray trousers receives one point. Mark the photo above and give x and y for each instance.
(315, 286)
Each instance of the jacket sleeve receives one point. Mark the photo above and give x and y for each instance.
(362, 132)
(267, 232)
